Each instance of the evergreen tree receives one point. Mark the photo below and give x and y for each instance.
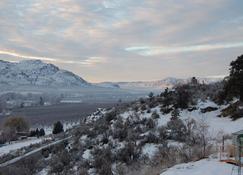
(37, 132)
(151, 95)
(58, 128)
(234, 85)
(42, 132)
(32, 133)
(183, 97)
(166, 97)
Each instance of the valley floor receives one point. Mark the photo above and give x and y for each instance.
(47, 115)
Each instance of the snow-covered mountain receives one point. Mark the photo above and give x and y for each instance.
(26, 81)
(37, 73)
(155, 85)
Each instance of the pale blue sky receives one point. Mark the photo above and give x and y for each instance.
(124, 40)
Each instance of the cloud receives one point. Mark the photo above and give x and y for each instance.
(149, 51)
(217, 76)
(87, 62)
(84, 36)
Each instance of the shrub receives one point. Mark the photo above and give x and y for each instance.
(102, 161)
(175, 113)
(110, 115)
(83, 171)
(177, 128)
(152, 138)
(208, 109)
(163, 133)
(143, 107)
(165, 110)
(60, 161)
(150, 124)
(129, 153)
(155, 115)
(148, 110)
(56, 165)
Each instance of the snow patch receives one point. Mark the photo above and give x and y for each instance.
(202, 167)
(149, 150)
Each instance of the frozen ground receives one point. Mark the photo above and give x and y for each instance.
(17, 145)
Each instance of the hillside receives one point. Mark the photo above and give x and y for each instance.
(37, 73)
(23, 83)
(181, 125)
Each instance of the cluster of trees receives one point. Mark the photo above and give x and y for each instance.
(14, 127)
(234, 82)
(37, 133)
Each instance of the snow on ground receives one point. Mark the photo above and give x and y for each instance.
(202, 167)
(149, 150)
(216, 124)
(43, 172)
(17, 145)
(87, 154)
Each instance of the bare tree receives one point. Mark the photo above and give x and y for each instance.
(204, 135)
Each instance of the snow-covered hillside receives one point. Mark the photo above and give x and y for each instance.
(37, 73)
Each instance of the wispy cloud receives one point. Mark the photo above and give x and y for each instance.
(149, 51)
(14, 54)
(89, 61)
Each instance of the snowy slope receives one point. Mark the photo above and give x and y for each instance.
(202, 167)
(37, 73)
(215, 124)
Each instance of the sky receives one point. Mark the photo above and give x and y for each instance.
(125, 40)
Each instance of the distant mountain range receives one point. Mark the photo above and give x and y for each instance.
(155, 85)
(36, 73)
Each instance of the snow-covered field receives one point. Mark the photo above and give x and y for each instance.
(7, 148)
(203, 167)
